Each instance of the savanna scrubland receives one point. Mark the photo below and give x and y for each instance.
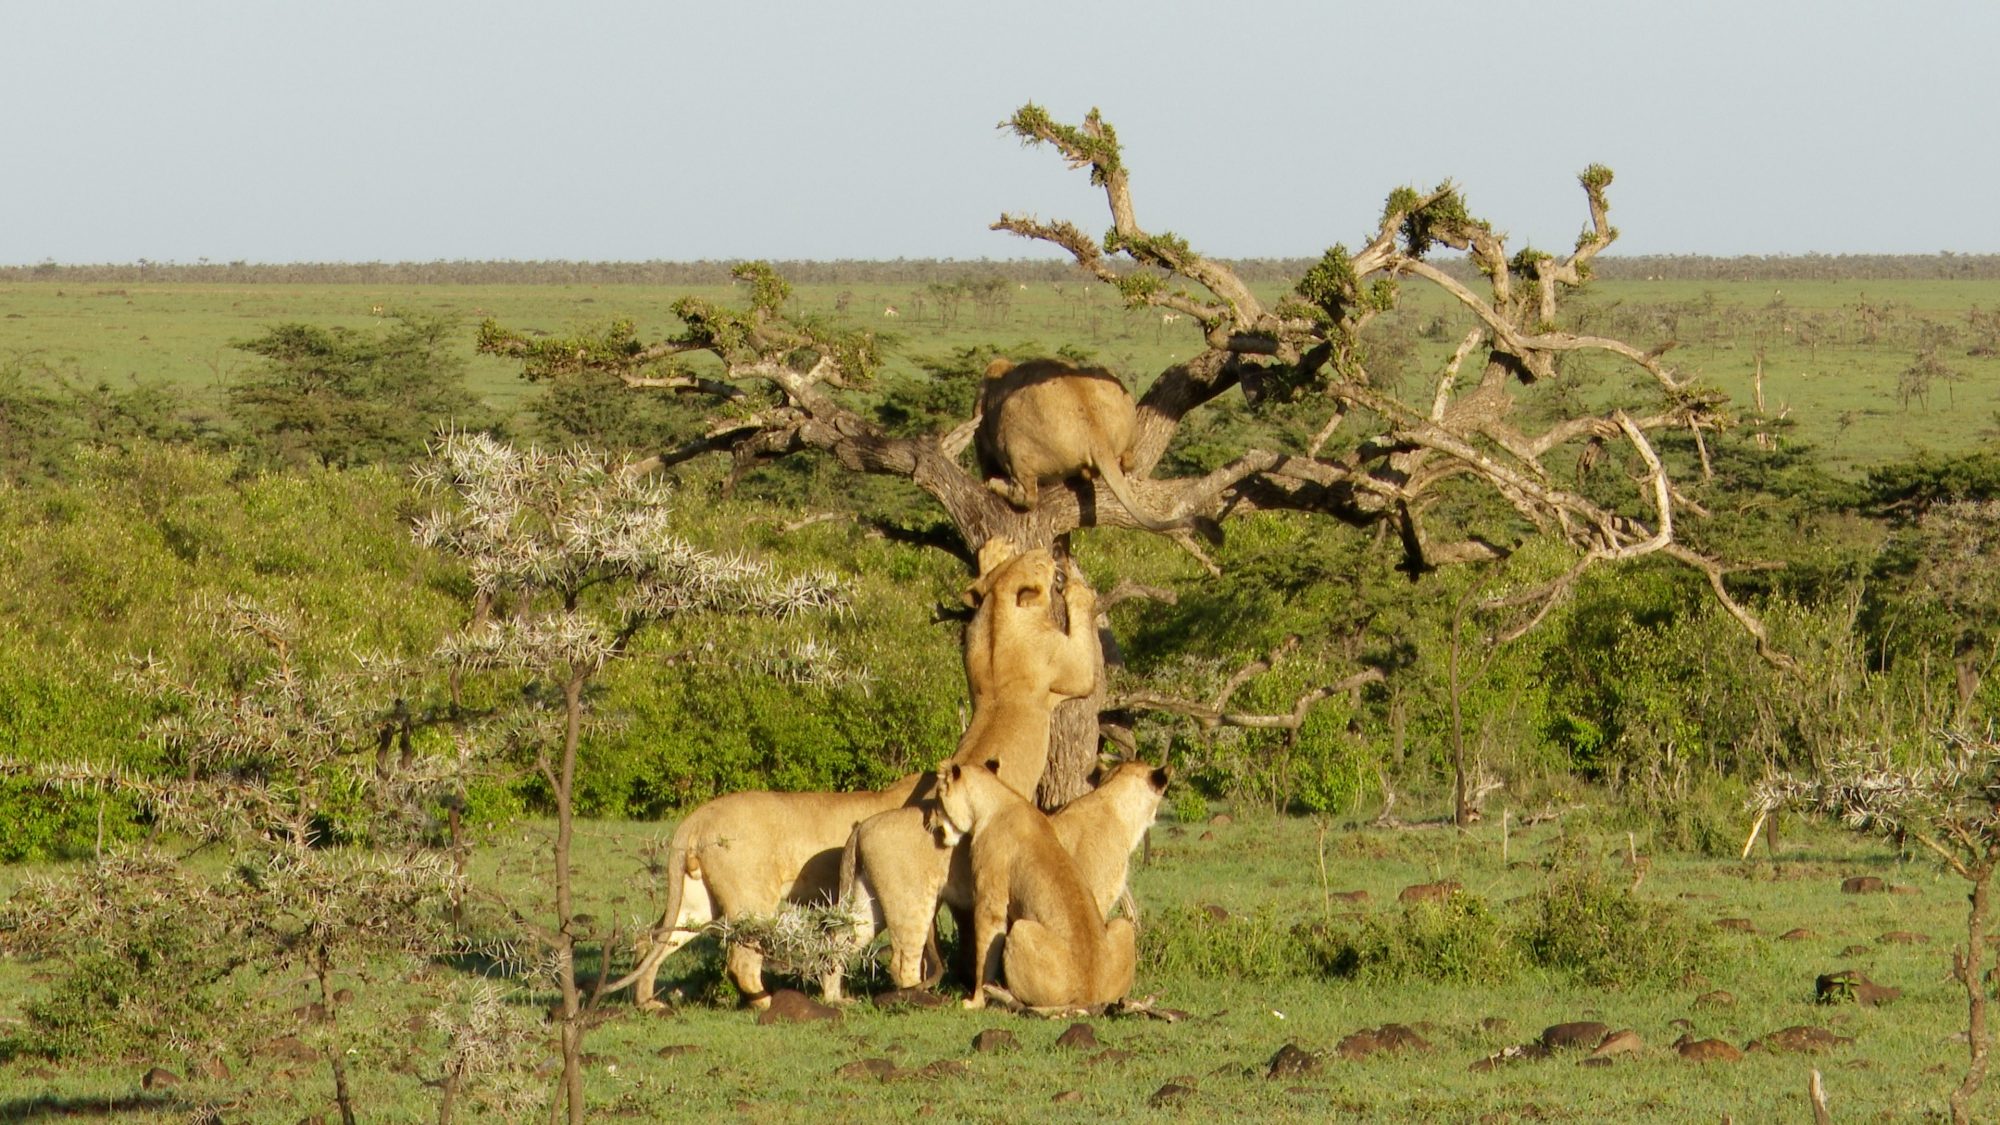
(282, 823)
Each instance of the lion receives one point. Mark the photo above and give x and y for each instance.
(747, 854)
(1046, 420)
(895, 870)
(1033, 920)
(1019, 664)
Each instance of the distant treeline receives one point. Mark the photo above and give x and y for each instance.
(906, 271)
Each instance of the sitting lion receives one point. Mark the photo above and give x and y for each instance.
(1033, 919)
(896, 870)
(749, 853)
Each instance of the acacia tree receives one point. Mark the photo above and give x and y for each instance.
(272, 770)
(1376, 457)
(1949, 803)
(571, 556)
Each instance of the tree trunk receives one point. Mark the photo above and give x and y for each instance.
(1461, 806)
(1975, 992)
(572, 1014)
(342, 1095)
(1072, 750)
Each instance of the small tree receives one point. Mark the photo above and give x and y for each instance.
(46, 408)
(1947, 563)
(337, 397)
(572, 554)
(1950, 805)
(273, 768)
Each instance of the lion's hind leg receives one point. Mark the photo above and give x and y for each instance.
(1115, 966)
(1040, 966)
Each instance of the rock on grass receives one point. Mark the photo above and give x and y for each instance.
(790, 1006)
(1292, 1061)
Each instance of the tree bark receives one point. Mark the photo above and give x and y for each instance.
(1976, 985)
(571, 1023)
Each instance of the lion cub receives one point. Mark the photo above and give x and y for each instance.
(749, 853)
(1032, 917)
(895, 871)
(1046, 420)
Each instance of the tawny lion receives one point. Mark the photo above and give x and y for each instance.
(1047, 420)
(750, 853)
(1033, 920)
(896, 871)
(1019, 665)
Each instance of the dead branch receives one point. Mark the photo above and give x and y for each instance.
(1210, 718)
(1463, 431)
(1128, 590)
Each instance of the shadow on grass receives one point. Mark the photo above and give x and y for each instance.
(45, 1106)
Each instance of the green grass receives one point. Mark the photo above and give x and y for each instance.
(1900, 1067)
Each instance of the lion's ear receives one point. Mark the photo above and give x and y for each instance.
(994, 552)
(977, 591)
(1160, 778)
(1029, 596)
(1000, 366)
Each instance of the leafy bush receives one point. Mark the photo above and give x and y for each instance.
(1192, 941)
(334, 396)
(1603, 934)
(1458, 939)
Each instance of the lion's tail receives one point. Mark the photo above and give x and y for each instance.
(1113, 476)
(850, 864)
(681, 865)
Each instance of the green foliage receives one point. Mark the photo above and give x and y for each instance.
(1582, 924)
(47, 408)
(768, 291)
(597, 409)
(1458, 939)
(1443, 219)
(1193, 941)
(1332, 288)
(110, 562)
(945, 394)
(119, 999)
(1529, 262)
(337, 397)
(1138, 286)
(1095, 144)
(1165, 250)
(1905, 489)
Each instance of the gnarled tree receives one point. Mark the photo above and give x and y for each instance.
(779, 387)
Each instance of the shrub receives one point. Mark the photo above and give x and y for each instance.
(1459, 939)
(1583, 924)
(1191, 941)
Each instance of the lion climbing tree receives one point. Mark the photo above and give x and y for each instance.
(1378, 456)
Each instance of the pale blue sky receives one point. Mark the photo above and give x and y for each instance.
(279, 131)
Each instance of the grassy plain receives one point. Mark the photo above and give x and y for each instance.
(1900, 1066)
(1839, 392)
